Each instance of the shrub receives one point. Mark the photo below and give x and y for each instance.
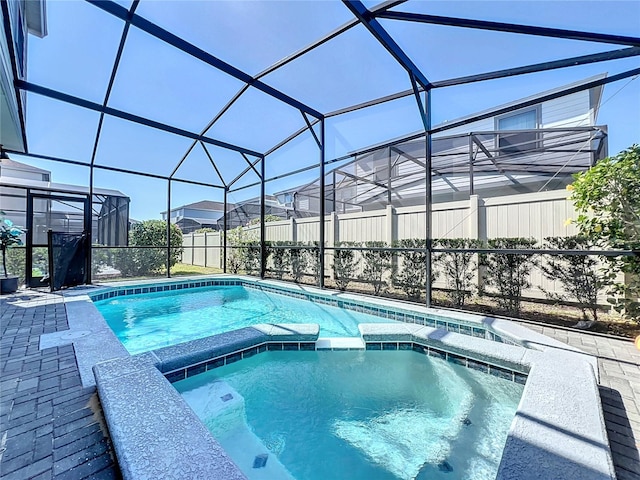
(267, 218)
(236, 239)
(345, 264)
(100, 257)
(412, 278)
(145, 261)
(15, 262)
(578, 274)
(249, 256)
(458, 268)
(509, 273)
(376, 265)
(607, 199)
(233, 262)
(280, 258)
(9, 237)
(298, 261)
(313, 260)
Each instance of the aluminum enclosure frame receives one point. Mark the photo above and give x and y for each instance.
(420, 86)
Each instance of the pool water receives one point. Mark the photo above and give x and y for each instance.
(153, 320)
(355, 415)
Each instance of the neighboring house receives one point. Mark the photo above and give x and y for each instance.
(19, 181)
(191, 217)
(242, 213)
(527, 150)
(23, 17)
(209, 214)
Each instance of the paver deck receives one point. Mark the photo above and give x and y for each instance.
(52, 427)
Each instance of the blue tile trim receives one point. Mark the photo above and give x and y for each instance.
(176, 376)
(393, 314)
(215, 363)
(234, 357)
(250, 352)
(196, 369)
(211, 364)
(451, 357)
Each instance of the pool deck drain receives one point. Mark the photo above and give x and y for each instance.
(51, 426)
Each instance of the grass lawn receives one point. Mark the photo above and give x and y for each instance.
(184, 269)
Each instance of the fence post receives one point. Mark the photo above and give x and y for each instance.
(477, 229)
(206, 234)
(292, 230)
(335, 227)
(391, 223)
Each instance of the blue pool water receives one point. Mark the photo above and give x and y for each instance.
(153, 320)
(365, 415)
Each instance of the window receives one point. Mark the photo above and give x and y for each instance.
(303, 204)
(285, 199)
(381, 173)
(518, 142)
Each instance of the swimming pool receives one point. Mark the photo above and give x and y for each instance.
(559, 408)
(147, 321)
(355, 415)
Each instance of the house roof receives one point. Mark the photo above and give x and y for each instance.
(202, 205)
(530, 98)
(56, 187)
(13, 165)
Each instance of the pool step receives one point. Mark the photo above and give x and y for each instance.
(340, 343)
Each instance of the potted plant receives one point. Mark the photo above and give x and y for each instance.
(9, 236)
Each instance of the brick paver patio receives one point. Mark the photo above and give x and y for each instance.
(52, 427)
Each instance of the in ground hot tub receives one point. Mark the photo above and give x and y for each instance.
(357, 415)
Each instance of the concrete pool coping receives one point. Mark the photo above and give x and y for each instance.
(558, 431)
(102, 343)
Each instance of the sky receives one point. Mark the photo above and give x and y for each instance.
(159, 82)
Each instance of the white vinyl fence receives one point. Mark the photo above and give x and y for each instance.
(534, 215)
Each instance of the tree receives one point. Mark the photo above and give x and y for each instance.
(607, 199)
(144, 261)
(458, 268)
(507, 272)
(578, 274)
(376, 264)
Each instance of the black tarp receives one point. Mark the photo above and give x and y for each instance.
(67, 259)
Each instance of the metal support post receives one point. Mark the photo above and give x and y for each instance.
(224, 232)
(322, 212)
(169, 228)
(263, 247)
(428, 200)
